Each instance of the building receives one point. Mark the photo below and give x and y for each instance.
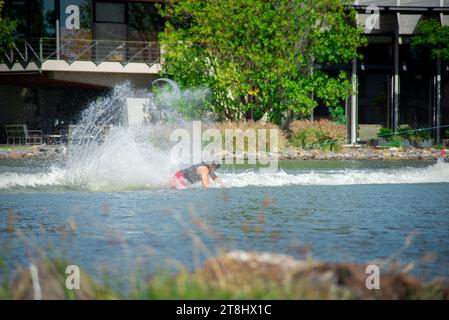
(71, 51)
(398, 86)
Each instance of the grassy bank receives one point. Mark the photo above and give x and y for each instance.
(235, 275)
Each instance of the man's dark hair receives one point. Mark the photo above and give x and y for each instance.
(214, 164)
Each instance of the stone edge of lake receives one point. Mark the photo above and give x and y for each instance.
(361, 153)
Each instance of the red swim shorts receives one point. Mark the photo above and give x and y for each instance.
(178, 181)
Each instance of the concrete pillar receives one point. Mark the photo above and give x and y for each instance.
(58, 31)
(396, 80)
(437, 115)
(354, 103)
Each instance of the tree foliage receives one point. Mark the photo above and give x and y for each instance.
(7, 29)
(433, 38)
(261, 57)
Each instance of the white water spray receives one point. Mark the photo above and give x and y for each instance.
(436, 173)
(104, 154)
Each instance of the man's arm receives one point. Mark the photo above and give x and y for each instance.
(213, 175)
(216, 179)
(204, 172)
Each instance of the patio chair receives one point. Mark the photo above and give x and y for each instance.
(368, 132)
(20, 133)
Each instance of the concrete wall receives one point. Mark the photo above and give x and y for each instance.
(140, 81)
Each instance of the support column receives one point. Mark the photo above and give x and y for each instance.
(354, 103)
(437, 116)
(348, 119)
(58, 32)
(396, 88)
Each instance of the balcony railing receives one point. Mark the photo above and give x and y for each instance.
(40, 50)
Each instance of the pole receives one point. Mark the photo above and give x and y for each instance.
(396, 89)
(354, 103)
(438, 103)
(58, 35)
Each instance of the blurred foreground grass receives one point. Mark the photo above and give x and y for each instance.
(235, 275)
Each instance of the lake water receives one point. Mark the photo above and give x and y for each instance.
(328, 210)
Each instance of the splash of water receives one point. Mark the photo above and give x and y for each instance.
(53, 177)
(104, 155)
(119, 175)
(436, 173)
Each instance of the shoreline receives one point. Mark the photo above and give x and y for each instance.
(244, 274)
(58, 152)
(363, 153)
(40, 152)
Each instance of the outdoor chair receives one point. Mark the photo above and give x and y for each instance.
(368, 132)
(53, 139)
(19, 134)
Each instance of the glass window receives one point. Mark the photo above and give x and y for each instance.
(379, 51)
(110, 21)
(415, 104)
(111, 28)
(373, 98)
(18, 10)
(75, 42)
(416, 71)
(144, 22)
(35, 18)
(85, 19)
(49, 17)
(445, 102)
(110, 12)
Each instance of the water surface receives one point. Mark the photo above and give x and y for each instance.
(329, 210)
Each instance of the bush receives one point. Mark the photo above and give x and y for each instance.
(338, 115)
(322, 134)
(7, 29)
(254, 125)
(386, 133)
(248, 53)
(419, 136)
(396, 142)
(414, 136)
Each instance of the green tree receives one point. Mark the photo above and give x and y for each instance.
(261, 57)
(7, 28)
(433, 38)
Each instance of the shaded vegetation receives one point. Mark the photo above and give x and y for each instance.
(261, 58)
(7, 29)
(433, 38)
(322, 134)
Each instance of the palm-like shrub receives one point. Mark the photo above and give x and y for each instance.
(252, 126)
(322, 134)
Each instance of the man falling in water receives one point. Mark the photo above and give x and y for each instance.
(194, 174)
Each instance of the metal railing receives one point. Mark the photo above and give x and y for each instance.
(40, 50)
